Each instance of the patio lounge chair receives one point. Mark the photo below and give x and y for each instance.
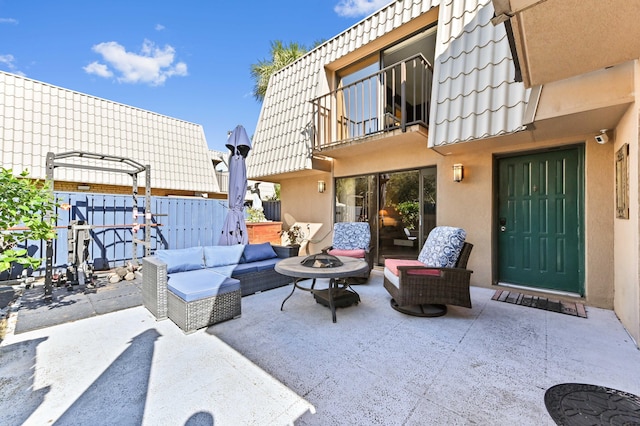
(352, 239)
(424, 286)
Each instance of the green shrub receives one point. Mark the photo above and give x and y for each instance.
(24, 204)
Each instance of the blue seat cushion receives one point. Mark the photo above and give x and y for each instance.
(199, 284)
(244, 268)
(182, 260)
(266, 265)
(226, 270)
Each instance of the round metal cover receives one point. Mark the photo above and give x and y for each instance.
(321, 260)
(583, 404)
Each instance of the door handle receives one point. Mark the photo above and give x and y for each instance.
(503, 224)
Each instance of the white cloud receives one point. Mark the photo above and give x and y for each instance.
(153, 65)
(355, 8)
(159, 27)
(10, 63)
(8, 21)
(98, 69)
(7, 60)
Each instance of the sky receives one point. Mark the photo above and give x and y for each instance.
(187, 59)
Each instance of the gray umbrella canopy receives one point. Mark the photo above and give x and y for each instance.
(234, 230)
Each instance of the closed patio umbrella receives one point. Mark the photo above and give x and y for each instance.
(234, 230)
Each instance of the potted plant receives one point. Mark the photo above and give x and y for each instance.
(292, 238)
(255, 215)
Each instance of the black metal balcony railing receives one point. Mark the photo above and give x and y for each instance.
(392, 98)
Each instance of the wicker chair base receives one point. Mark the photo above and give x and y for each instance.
(191, 316)
(423, 310)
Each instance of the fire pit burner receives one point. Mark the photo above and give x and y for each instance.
(321, 260)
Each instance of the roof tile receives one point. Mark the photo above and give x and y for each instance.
(38, 118)
(475, 95)
(286, 109)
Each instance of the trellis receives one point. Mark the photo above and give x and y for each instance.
(135, 168)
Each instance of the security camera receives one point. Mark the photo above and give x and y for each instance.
(603, 137)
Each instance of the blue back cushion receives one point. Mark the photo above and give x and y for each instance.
(222, 255)
(254, 252)
(443, 247)
(181, 260)
(351, 235)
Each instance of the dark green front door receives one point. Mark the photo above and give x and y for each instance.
(539, 220)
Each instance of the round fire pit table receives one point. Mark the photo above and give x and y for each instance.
(323, 267)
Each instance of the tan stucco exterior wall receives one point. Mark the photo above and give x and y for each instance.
(413, 156)
(599, 214)
(301, 202)
(566, 116)
(470, 203)
(627, 231)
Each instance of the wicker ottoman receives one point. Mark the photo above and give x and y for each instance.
(193, 315)
(201, 298)
(193, 299)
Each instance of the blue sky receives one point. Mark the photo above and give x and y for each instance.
(186, 59)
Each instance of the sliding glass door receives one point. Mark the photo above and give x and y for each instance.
(399, 206)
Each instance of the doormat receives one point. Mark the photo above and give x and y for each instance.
(562, 307)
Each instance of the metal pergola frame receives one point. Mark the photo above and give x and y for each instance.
(52, 162)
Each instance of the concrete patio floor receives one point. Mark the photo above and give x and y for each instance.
(489, 365)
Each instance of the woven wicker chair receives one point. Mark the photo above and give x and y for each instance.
(352, 239)
(422, 290)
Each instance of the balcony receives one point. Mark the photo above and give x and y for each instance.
(223, 181)
(389, 100)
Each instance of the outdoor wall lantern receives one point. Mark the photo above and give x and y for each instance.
(458, 172)
(321, 186)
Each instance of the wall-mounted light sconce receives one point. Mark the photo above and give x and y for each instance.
(84, 187)
(458, 172)
(321, 186)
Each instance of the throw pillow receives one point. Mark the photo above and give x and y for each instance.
(351, 235)
(443, 247)
(255, 252)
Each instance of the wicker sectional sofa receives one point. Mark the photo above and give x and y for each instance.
(200, 286)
